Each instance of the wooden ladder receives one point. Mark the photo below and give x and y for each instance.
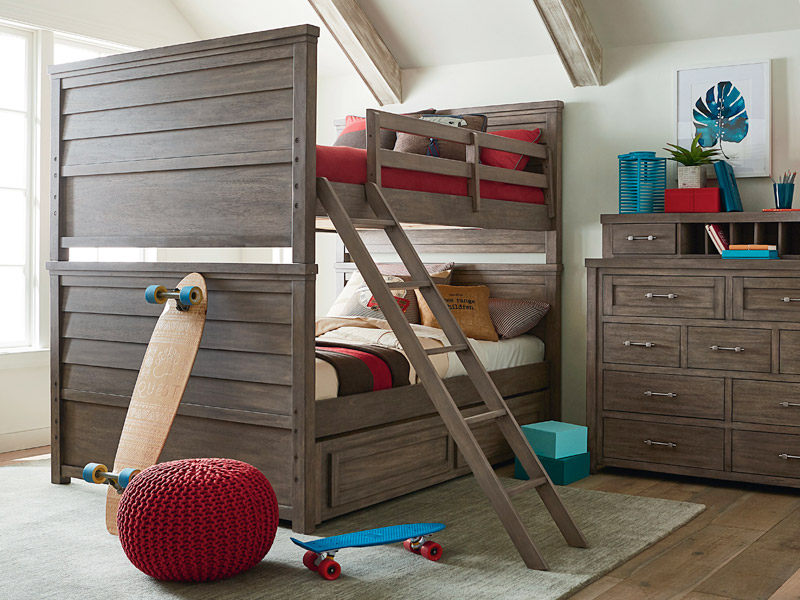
(457, 424)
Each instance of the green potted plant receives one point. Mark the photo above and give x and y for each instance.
(691, 163)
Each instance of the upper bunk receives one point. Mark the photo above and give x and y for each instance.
(213, 144)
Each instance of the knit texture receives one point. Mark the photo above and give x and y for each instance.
(197, 519)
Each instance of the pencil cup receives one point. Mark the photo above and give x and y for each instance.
(783, 194)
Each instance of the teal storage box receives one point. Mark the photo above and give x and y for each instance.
(562, 471)
(554, 439)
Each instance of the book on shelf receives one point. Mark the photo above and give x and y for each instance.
(718, 237)
(731, 201)
(750, 254)
(752, 247)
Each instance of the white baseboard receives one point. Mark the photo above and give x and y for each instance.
(22, 440)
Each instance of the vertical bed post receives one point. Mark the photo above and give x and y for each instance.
(304, 203)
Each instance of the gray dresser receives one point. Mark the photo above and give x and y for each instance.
(694, 361)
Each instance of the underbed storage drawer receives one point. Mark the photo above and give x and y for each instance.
(766, 453)
(655, 238)
(768, 402)
(766, 299)
(730, 349)
(673, 395)
(653, 296)
(662, 443)
(656, 345)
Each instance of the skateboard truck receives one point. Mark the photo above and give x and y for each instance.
(97, 473)
(184, 297)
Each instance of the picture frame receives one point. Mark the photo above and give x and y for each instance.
(730, 106)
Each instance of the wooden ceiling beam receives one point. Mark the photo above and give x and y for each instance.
(363, 46)
(575, 40)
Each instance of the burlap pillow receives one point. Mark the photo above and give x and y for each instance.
(415, 144)
(469, 304)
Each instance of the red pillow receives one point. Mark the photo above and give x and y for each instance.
(352, 123)
(509, 160)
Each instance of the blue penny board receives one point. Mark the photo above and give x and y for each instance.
(370, 537)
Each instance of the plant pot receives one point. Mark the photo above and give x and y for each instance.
(692, 177)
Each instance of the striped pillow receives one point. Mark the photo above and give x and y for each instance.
(515, 317)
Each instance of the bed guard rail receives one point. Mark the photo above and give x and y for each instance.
(472, 169)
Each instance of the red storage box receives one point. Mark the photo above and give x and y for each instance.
(699, 200)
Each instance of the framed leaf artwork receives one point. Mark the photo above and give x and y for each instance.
(728, 106)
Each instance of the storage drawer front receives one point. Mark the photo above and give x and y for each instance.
(770, 402)
(767, 299)
(645, 296)
(636, 239)
(790, 352)
(755, 344)
(680, 396)
(700, 447)
(395, 461)
(757, 452)
(627, 344)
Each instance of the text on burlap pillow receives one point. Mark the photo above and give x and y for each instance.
(469, 304)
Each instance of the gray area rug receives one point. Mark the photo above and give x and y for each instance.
(53, 545)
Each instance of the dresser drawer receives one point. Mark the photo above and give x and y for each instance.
(766, 299)
(674, 395)
(730, 349)
(789, 351)
(656, 345)
(647, 295)
(657, 238)
(766, 453)
(683, 445)
(770, 402)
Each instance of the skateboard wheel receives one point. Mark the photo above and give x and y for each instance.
(191, 294)
(93, 473)
(431, 551)
(329, 569)
(407, 545)
(309, 560)
(126, 475)
(154, 294)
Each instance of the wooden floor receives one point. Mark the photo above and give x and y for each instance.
(744, 546)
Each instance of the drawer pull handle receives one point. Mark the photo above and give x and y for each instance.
(667, 444)
(787, 456)
(645, 344)
(633, 238)
(787, 299)
(734, 349)
(785, 404)
(666, 394)
(652, 295)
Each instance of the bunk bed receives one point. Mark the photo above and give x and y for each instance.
(213, 144)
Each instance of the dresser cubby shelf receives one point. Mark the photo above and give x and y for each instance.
(683, 235)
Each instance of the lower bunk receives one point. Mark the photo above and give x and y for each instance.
(251, 394)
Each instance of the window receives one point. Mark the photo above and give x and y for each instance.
(16, 184)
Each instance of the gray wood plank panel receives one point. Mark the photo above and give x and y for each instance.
(199, 141)
(224, 203)
(203, 391)
(218, 364)
(224, 306)
(187, 114)
(238, 79)
(213, 284)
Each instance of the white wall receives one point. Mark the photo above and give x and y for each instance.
(25, 377)
(632, 111)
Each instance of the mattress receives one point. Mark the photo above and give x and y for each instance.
(349, 165)
(522, 350)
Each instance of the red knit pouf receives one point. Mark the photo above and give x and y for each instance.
(198, 519)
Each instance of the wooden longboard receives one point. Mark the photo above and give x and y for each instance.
(162, 380)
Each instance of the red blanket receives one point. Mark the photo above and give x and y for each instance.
(349, 165)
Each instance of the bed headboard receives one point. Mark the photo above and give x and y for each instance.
(525, 115)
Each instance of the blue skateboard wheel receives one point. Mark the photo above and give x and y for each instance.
(191, 294)
(93, 473)
(125, 477)
(154, 294)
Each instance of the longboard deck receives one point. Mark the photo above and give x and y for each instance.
(162, 379)
(370, 537)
